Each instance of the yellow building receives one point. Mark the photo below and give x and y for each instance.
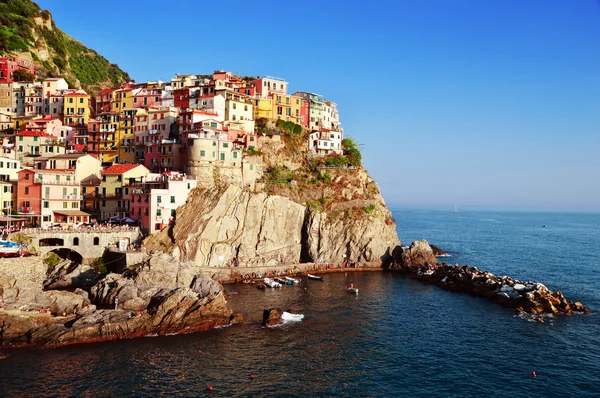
(125, 136)
(263, 107)
(118, 182)
(76, 108)
(282, 107)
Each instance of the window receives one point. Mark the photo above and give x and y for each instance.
(172, 199)
(225, 145)
(26, 190)
(158, 212)
(159, 199)
(46, 204)
(202, 153)
(173, 212)
(20, 138)
(74, 205)
(96, 241)
(65, 205)
(235, 154)
(75, 241)
(222, 156)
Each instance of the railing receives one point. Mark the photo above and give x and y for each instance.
(54, 182)
(102, 195)
(82, 229)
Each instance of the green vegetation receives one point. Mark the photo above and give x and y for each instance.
(68, 58)
(99, 266)
(51, 260)
(289, 127)
(22, 75)
(369, 209)
(351, 152)
(325, 177)
(335, 160)
(280, 175)
(16, 21)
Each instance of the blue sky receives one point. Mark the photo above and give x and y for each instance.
(466, 102)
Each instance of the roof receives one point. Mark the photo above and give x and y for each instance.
(71, 212)
(120, 168)
(91, 180)
(34, 134)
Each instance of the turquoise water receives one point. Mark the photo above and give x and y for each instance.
(397, 338)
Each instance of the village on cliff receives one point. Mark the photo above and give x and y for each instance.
(131, 154)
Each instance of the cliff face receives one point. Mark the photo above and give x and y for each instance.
(260, 229)
(29, 33)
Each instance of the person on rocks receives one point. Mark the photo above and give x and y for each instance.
(116, 302)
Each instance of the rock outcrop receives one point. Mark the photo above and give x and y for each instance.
(162, 296)
(272, 317)
(530, 297)
(259, 229)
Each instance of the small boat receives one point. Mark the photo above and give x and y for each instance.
(352, 290)
(283, 281)
(294, 281)
(271, 283)
(261, 286)
(248, 281)
(291, 317)
(314, 277)
(11, 249)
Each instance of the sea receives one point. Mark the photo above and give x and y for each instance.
(396, 338)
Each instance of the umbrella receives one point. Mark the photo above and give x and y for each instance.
(115, 219)
(129, 220)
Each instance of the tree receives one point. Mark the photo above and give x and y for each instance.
(21, 75)
(351, 151)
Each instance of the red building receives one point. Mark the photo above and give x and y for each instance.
(9, 65)
(29, 194)
(181, 98)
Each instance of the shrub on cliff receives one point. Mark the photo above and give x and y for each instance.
(351, 151)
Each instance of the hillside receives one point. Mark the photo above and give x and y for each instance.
(304, 209)
(28, 32)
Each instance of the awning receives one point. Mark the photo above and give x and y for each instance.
(71, 212)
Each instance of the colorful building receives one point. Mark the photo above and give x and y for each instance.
(47, 197)
(76, 108)
(9, 65)
(115, 185)
(155, 201)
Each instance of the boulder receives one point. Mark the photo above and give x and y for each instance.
(272, 317)
(438, 252)
(418, 254)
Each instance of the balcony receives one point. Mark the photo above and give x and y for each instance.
(54, 182)
(100, 195)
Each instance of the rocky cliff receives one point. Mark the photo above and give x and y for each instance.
(300, 212)
(160, 297)
(29, 32)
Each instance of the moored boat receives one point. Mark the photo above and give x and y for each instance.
(352, 290)
(283, 281)
(314, 277)
(271, 283)
(294, 281)
(261, 286)
(11, 249)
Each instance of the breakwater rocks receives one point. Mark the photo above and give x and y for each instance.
(418, 262)
(163, 296)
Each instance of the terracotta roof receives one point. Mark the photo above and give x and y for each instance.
(119, 168)
(34, 134)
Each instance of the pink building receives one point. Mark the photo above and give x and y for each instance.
(9, 65)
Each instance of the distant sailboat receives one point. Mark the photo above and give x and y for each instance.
(455, 209)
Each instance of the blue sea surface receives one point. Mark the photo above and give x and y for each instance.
(398, 337)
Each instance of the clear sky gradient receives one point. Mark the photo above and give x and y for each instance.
(461, 102)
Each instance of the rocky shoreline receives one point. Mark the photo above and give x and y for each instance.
(163, 296)
(75, 304)
(419, 262)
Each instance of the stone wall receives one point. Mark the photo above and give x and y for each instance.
(87, 246)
